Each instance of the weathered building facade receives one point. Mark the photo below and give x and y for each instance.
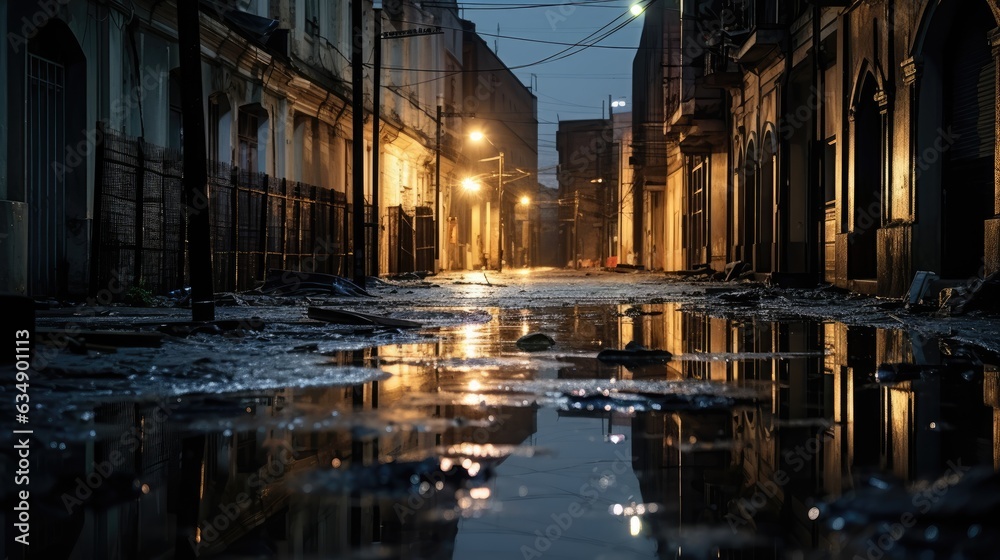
(847, 142)
(654, 89)
(91, 134)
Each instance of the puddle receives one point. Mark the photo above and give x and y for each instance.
(757, 439)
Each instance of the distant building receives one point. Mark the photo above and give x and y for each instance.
(588, 182)
(546, 207)
(623, 221)
(505, 111)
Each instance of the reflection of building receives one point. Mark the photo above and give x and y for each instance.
(820, 140)
(150, 479)
(821, 425)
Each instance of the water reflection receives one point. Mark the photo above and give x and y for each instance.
(465, 450)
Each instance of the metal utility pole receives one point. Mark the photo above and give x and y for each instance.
(376, 117)
(358, 118)
(195, 166)
(437, 191)
(576, 214)
(500, 201)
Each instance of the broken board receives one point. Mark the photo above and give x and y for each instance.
(344, 317)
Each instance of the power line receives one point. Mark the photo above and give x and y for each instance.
(581, 46)
(512, 6)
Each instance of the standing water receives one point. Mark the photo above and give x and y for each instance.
(758, 439)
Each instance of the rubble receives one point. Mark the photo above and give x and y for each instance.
(533, 342)
(982, 294)
(290, 282)
(345, 317)
(634, 354)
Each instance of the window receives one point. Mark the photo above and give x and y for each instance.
(312, 17)
(698, 223)
(247, 138)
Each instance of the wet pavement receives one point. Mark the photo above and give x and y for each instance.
(773, 432)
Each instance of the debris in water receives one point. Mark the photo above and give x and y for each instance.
(634, 353)
(294, 283)
(534, 342)
(344, 317)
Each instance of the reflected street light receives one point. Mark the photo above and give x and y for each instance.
(476, 137)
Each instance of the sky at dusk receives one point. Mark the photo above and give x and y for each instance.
(575, 87)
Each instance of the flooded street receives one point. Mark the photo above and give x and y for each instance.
(760, 438)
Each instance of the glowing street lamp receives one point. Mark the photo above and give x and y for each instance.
(476, 137)
(636, 10)
(470, 185)
(525, 200)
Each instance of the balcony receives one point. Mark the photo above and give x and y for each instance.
(762, 42)
(721, 71)
(699, 125)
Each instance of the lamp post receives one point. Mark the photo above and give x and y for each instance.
(477, 136)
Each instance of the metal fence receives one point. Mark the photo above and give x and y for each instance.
(258, 222)
(411, 239)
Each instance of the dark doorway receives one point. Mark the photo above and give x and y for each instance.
(56, 148)
(968, 141)
(749, 205)
(862, 250)
(765, 207)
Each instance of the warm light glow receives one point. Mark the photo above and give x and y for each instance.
(476, 136)
(635, 10)
(525, 200)
(474, 385)
(814, 513)
(470, 185)
(634, 526)
(481, 493)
